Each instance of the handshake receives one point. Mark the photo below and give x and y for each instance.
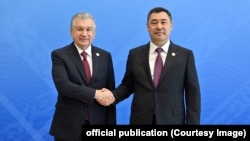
(104, 97)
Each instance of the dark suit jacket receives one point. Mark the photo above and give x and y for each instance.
(178, 88)
(75, 94)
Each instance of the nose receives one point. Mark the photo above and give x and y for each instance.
(84, 32)
(159, 26)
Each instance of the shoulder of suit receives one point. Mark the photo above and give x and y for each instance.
(96, 49)
(179, 47)
(64, 48)
(140, 47)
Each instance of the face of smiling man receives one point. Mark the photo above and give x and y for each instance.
(159, 27)
(83, 32)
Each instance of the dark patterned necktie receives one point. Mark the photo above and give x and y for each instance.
(86, 65)
(158, 67)
(88, 74)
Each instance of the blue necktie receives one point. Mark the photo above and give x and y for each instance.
(158, 67)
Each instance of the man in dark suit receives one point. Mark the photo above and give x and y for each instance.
(176, 98)
(78, 96)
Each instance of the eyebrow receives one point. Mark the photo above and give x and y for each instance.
(158, 20)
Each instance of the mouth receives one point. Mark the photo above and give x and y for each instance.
(83, 40)
(159, 34)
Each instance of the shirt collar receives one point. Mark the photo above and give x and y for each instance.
(153, 47)
(88, 50)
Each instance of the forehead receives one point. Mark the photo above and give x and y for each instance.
(159, 16)
(83, 22)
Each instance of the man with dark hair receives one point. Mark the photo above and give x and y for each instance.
(162, 76)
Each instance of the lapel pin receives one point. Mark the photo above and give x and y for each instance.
(97, 54)
(173, 53)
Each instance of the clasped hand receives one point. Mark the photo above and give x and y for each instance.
(104, 97)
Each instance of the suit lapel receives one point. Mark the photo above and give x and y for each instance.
(172, 52)
(73, 53)
(95, 57)
(145, 60)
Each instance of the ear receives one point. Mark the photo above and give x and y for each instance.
(94, 34)
(71, 32)
(171, 26)
(147, 27)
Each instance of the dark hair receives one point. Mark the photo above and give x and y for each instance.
(157, 10)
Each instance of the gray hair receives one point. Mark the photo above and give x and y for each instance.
(82, 15)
